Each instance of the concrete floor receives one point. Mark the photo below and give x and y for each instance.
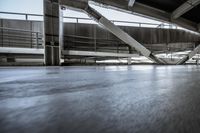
(111, 99)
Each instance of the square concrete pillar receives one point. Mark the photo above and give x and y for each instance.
(53, 32)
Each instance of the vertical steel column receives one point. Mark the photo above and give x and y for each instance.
(52, 32)
(61, 33)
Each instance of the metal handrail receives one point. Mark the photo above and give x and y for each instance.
(82, 18)
(23, 14)
(29, 14)
(117, 21)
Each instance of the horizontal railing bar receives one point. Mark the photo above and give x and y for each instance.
(14, 13)
(84, 42)
(9, 42)
(77, 18)
(99, 48)
(4, 28)
(12, 35)
(81, 18)
(19, 41)
(19, 32)
(20, 35)
(134, 22)
(19, 45)
(89, 38)
(117, 21)
(98, 42)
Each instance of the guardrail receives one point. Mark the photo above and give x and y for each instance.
(117, 22)
(10, 37)
(39, 17)
(25, 16)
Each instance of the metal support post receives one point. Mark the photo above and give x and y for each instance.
(37, 40)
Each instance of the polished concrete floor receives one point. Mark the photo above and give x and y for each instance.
(89, 99)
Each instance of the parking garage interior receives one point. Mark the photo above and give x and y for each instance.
(99, 66)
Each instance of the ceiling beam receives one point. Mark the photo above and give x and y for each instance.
(131, 3)
(138, 8)
(147, 11)
(185, 7)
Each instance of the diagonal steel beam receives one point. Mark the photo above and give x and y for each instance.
(147, 11)
(185, 7)
(131, 3)
(122, 35)
(114, 29)
(138, 8)
(189, 56)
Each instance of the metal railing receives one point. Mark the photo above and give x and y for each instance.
(122, 23)
(10, 37)
(74, 42)
(26, 16)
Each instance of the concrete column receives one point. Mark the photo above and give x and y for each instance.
(52, 32)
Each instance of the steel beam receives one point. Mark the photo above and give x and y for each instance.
(83, 5)
(148, 11)
(97, 54)
(189, 56)
(131, 3)
(121, 34)
(31, 51)
(74, 4)
(185, 7)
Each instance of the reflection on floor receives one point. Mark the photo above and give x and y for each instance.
(110, 99)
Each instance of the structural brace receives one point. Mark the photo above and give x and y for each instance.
(121, 34)
(189, 56)
(115, 30)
